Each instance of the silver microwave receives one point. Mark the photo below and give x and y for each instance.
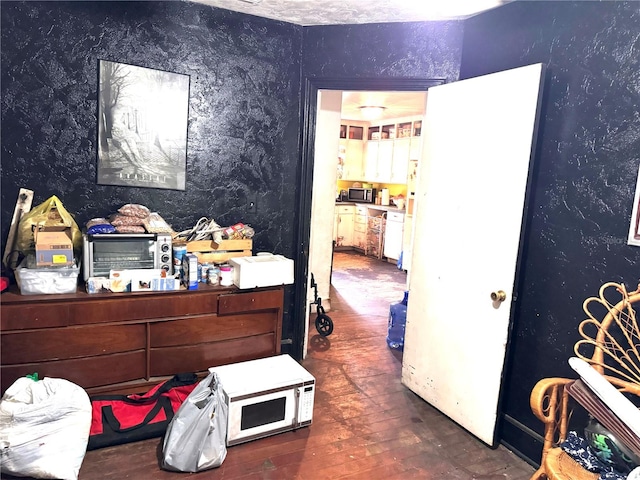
(361, 195)
(104, 252)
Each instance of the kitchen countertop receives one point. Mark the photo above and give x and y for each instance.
(384, 208)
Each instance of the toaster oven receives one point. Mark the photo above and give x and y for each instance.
(104, 252)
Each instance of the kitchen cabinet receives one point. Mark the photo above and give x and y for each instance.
(371, 161)
(128, 342)
(389, 148)
(351, 152)
(400, 160)
(393, 235)
(360, 228)
(343, 225)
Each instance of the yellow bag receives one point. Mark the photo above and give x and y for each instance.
(50, 213)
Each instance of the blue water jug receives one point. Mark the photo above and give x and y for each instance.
(397, 322)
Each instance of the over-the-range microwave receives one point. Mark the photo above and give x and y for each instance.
(104, 252)
(266, 396)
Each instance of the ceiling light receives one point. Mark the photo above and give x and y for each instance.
(370, 112)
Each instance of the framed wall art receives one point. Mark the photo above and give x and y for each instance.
(634, 224)
(142, 126)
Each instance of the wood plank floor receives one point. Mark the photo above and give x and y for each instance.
(366, 425)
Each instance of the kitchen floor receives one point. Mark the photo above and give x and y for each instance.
(366, 424)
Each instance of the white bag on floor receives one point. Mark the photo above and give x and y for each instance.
(196, 438)
(44, 428)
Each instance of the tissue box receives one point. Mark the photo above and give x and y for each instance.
(262, 271)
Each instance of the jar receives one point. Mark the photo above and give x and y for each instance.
(226, 275)
(213, 275)
(204, 272)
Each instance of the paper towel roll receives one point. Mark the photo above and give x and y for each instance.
(385, 196)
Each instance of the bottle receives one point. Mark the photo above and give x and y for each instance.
(204, 271)
(397, 322)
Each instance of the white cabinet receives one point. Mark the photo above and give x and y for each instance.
(351, 153)
(343, 225)
(360, 228)
(371, 162)
(393, 235)
(389, 148)
(400, 160)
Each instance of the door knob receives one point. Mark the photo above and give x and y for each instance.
(499, 296)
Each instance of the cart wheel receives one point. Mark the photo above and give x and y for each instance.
(324, 325)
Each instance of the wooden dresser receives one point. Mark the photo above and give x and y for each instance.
(127, 342)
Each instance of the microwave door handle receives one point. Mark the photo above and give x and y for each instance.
(297, 420)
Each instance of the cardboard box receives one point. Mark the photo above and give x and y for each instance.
(190, 271)
(54, 247)
(262, 271)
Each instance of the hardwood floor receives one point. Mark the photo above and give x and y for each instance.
(366, 425)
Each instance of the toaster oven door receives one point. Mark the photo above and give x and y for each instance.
(121, 253)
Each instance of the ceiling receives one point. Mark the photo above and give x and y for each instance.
(397, 104)
(341, 12)
(350, 12)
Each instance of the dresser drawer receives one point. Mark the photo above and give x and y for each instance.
(250, 301)
(208, 328)
(43, 315)
(72, 342)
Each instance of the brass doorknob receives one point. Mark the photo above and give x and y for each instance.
(499, 296)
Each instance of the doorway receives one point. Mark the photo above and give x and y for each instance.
(355, 253)
(303, 292)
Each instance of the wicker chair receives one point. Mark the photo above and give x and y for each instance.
(612, 347)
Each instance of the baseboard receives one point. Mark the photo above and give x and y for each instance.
(521, 440)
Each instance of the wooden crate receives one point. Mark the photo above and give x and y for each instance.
(209, 251)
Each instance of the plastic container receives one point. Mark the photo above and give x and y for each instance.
(397, 322)
(45, 280)
(226, 275)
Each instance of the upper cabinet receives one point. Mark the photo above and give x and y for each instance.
(389, 148)
(350, 155)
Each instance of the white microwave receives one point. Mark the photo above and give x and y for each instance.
(266, 396)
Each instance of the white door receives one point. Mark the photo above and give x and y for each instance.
(468, 213)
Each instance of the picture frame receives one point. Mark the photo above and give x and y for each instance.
(634, 224)
(142, 126)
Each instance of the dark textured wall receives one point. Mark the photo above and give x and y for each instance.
(243, 130)
(586, 169)
(410, 50)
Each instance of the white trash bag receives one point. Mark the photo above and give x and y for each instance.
(196, 438)
(44, 428)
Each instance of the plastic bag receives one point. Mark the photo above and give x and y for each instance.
(196, 438)
(44, 428)
(50, 213)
